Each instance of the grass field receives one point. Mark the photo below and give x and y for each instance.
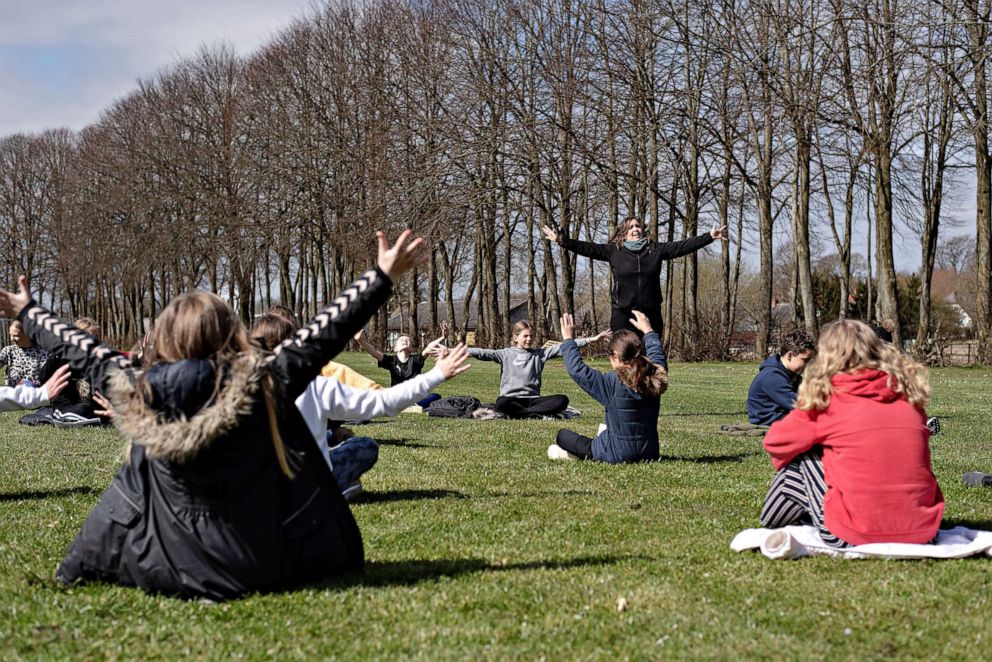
(478, 547)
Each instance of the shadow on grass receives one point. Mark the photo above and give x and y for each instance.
(403, 443)
(407, 495)
(709, 459)
(980, 525)
(702, 413)
(408, 573)
(50, 494)
(534, 495)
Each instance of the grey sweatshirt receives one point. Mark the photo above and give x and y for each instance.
(520, 369)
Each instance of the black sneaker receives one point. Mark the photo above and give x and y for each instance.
(977, 479)
(933, 423)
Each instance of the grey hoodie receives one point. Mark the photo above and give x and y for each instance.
(520, 369)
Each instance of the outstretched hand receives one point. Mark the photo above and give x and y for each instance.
(567, 323)
(451, 362)
(12, 303)
(56, 382)
(106, 409)
(401, 257)
(608, 334)
(641, 322)
(719, 232)
(550, 233)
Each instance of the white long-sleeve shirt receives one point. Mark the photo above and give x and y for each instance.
(330, 399)
(22, 397)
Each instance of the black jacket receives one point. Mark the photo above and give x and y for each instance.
(201, 508)
(636, 276)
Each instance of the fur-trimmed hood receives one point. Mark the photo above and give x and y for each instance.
(186, 409)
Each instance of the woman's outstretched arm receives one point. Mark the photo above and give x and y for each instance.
(584, 248)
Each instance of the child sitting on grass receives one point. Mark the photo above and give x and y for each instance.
(404, 364)
(224, 491)
(853, 457)
(631, 395)
(329, 399)
(22, 359)
(772, 394)
(13, 398)
(520, 370)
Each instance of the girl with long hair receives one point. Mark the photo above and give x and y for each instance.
(853, 457)
(631, 395)
(223, 491)
(520, 370)
(635, 261)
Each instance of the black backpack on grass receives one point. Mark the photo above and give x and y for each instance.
(455, 406)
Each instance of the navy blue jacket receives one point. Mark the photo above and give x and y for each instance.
(631, 433)
(772, 394)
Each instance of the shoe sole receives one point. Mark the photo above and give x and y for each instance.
(556, 452)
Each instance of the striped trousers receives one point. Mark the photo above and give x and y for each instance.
(796, 497)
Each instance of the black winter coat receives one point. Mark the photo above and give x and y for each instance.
(201, 509)
(636, 276)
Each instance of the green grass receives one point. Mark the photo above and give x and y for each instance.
(478, 547)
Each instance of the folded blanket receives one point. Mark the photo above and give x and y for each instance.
(792, 542)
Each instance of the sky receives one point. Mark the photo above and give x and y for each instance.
(63, 61)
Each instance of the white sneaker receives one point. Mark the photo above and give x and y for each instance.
(556, 452)
(65, 419)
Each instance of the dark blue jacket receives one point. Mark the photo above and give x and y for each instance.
(773, 392)
(631, 433)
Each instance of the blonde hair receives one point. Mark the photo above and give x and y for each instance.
(200, 325)
(519, 327)
(88, 325)
(846, 346)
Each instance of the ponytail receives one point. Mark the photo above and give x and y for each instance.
(637, 373)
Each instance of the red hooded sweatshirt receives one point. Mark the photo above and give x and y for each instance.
(876, 461)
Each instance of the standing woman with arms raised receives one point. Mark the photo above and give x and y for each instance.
(635, 261)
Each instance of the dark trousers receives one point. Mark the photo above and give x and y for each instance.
(547, 405)
(620, 320)
(575, 444)
(796, 497)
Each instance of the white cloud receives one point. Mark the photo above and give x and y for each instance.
(63, 61)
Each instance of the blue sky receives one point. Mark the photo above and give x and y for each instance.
(63, 61)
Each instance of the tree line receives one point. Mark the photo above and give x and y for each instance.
(478, 121)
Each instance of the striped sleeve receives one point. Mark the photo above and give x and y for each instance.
(84, 352)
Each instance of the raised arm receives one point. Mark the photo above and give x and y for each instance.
(654, 351)
(298, 360)
(369, 348)
(84, 352)
(486, 354)
(591, 381)
(340, 402)
(673, 249)
(586, 248)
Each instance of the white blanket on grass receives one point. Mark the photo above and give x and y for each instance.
(793, 542)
